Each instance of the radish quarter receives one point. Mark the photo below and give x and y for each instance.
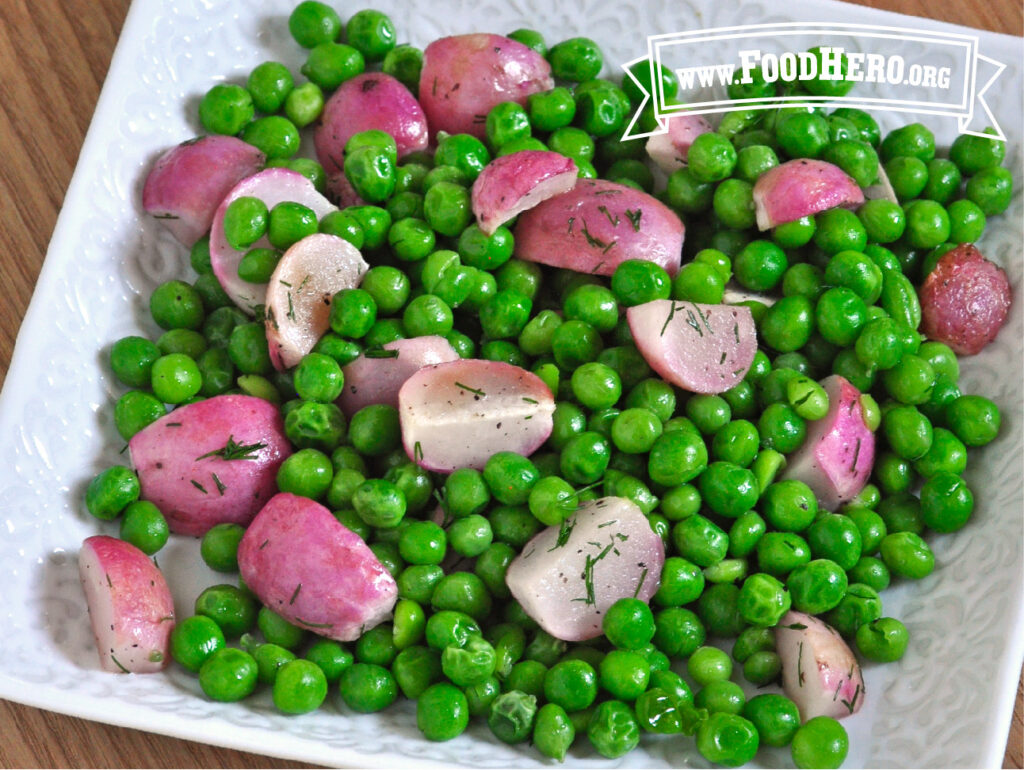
(316, 573)
(800, 188)
(130, 605)
(567, 576)
(188, 182)
(211, 462)
(458, 414)
(513, 183)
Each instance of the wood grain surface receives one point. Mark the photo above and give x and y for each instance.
(54, 55)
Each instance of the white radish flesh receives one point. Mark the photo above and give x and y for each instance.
(596, 225)
(568, 576)
(458, 414)
(272, 186)
(298, 299)
(819, 671)
(130, 605)
(700, 348)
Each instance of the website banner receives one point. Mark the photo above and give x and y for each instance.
(884, 68)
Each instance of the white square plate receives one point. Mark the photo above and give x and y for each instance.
(946, 704)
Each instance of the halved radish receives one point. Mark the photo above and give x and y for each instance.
(799, 188)
(518, 181)
(568, 575)
(598, 224)
(130, 605)
(299, 294)
(372, 100)
(272, 186)
(965, 300)
(313, 571)
(700, 348)
(835, 459)
(211, 462)
(819, 671)
(188, 182)
(377, 376)
(668, 150)
(464, 76)
(458, 414)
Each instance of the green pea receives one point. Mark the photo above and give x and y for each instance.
(711, 158)
(367, 687)
(111, 491)
(759, 266)
(914, 140)
(975, 420)
(883, 640)
(229, 607)
(613, 730)
(727, 739)
(907, 555)
(763, 599)
(194, 640)
(860, 605)
(972, 154)
(226, 109)
(787, 324)
(820, 742)
(817, 586)
(228, 675)
(907, 175)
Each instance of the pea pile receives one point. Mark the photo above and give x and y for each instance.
(707, 470)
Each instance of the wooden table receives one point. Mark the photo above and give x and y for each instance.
(54, 55)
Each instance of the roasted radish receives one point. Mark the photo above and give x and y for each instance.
(700, 348)
(464, 76)
(188, 182)
(272, 186)
(836, 458)
(298, 298)
(130, 605)
(568, 575)
(211, 462)
(458, 414)
(799, 188)
(819, 671)
(313, 571)
(377, 375)
(518, 181)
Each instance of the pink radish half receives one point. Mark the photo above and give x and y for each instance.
(799, 188)
(372, 100)
(568, 576)
(313, 571)
(835, 459)
(518, 181)
(598, 224)
(668, 150)
(376, 377)
(211, 462)
(130, 605)
(272, 186)
(700, 348)
(298, 300)
(819, 671)
(188, 182)
(458, 414)
(464, 76)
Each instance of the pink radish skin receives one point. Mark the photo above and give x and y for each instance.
(372, 100)
(130, 606)
(377, 380)
(298, 300)
(272, 186)
(188, 182)
(464, 76)
(519, 181)
(819, 671)
(567, 584)
(196, 492)
(316, 573)
(458, 414)
(700, 348)
(836, 457)
(598, 224)
(799, 188)
(669, 150)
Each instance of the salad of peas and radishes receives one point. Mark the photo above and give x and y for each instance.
(476, 403)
